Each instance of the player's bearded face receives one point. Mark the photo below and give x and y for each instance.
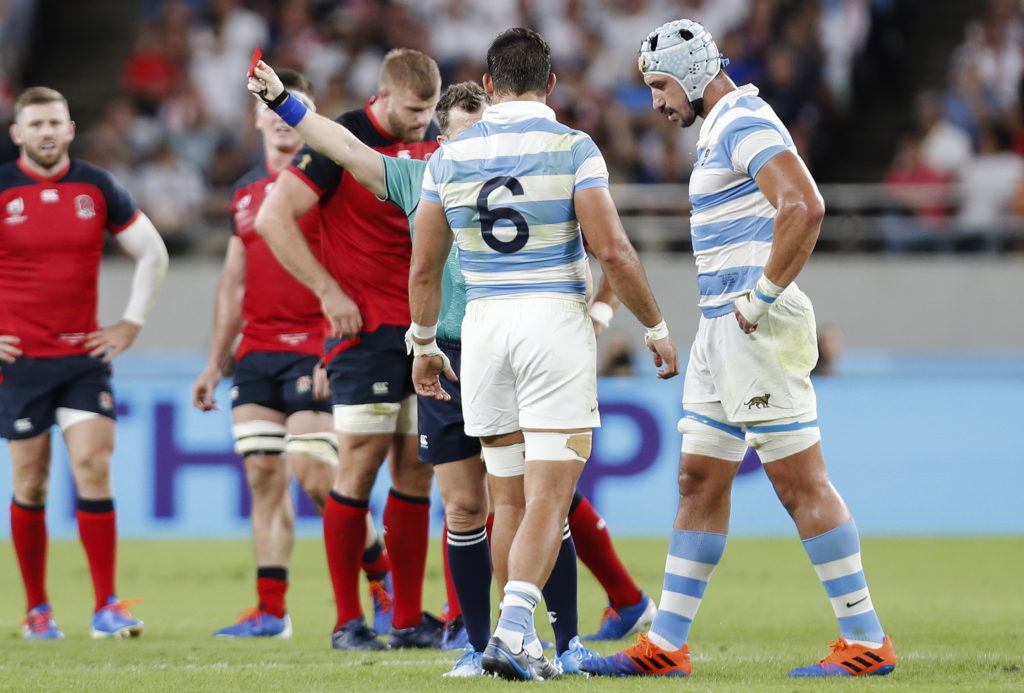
(44, 132)
(669, 99)
(408, 116)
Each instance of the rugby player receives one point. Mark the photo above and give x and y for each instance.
(362, 290)
(517, 187)
(457, 464)
(278, 420)
(54, 358)
(756, 216)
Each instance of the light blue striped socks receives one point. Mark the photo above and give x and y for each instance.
(692, 558)
(515, 627)
(836, 558)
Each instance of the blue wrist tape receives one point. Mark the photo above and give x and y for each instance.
(291, 111)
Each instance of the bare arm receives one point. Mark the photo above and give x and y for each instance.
(430, 246)
(227, 322)
(330, 138)
(603, 305)
(788, 186)
(620, 265)
(277, 223)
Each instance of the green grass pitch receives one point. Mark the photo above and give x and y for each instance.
(954, 608)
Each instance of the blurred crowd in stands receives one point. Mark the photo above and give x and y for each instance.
(180, 130)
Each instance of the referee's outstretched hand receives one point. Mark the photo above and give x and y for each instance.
(265, 84)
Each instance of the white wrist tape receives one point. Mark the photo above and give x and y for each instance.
(755, 304)
(418, 332)
(423, 331)
(659, 331)
(432, 349)
(601, 313)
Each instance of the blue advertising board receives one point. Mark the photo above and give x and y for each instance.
(912, 451)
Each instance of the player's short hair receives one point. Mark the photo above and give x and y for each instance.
(413, 70)
(34, 96)
(519, 62)
(467, 96)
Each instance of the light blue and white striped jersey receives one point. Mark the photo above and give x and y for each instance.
(731, 221)
(506, 185)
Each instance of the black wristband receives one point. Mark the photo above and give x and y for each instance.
(276, 103)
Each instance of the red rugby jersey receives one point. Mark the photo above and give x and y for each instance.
(280, 313)
(51, 241)
(366, 243)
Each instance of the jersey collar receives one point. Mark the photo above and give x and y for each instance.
(723, 104)
(44, 179)
(509, 111)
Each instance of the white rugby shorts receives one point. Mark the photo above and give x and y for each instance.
(528, 363)
(761, 376)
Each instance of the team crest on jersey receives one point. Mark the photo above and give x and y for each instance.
(84, 207)
(106, 401)
(49, 195)
(15, 209)
(245, 202)
(304, 384)
(404, 154)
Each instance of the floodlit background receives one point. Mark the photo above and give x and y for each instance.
(908, 113)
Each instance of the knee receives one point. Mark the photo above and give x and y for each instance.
(266, 474)
(465, 512)
(32, 490)
(92, 467)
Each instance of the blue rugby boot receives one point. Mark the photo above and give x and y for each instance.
(354, 635)
(467, 666)
(455, 636)
(38, 624)
(570, 660)
(258, 624)
(428, 633)
(383, 603)
(115, 621)
(625, 621)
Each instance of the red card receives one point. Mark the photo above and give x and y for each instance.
(257, 55)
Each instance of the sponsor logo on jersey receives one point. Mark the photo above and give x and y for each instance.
(293, 339)
(404, 154)
(14, 211)
(49, 195)
(268, 187)
(704, 156)
(23, 425)
(72, 337)
(381, 388)
(304, 384)
(244, 202)
(106, 401)
(85, 208)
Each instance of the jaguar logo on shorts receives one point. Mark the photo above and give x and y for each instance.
(106, 401)
(234, 394)
(304, 384)
(23, 425)
(381, 388)
(759, 402)
(85, 208)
